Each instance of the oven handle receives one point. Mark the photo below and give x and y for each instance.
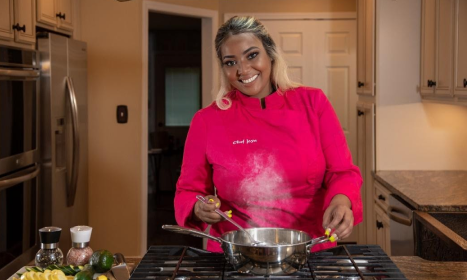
(72, 186)
(6, 183)
(405, 221)
(19, 73)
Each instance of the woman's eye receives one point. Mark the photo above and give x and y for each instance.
(252, 55)
(229, 63)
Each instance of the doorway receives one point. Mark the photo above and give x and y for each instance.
(174, 96)
(209, 83)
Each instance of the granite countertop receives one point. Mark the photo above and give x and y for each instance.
(435, 191)
(414, 268)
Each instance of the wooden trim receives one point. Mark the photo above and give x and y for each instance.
(210, 81)
(295, 16)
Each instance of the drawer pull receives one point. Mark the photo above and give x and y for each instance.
(381, 197)
(379, 224)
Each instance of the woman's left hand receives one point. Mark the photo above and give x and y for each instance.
(339, 216)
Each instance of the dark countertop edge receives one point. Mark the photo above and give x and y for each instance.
(441, 230)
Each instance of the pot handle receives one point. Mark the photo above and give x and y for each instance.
(315, 241)
(190, 231)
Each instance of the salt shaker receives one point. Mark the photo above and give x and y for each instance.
(80, 252)
(49, 252)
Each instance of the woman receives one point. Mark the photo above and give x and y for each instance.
(273, 150)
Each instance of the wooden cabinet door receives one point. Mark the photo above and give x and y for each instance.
(365, 47)
(460, 72)
(6, 19)
(383, 235)
(444, 47)
(428, 45)
(360, 45)
(25, 18)
(369, 87)
(65, 7)
(46, 12)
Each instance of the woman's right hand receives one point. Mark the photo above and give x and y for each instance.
(205, 211)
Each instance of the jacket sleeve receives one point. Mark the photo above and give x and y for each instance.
(342, 176)
(196, 175)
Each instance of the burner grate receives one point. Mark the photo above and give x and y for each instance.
(351, 262)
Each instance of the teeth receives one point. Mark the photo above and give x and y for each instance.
(250, 79)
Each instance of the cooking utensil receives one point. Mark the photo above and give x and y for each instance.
(223, 215)
(287, 255)
(120, 270)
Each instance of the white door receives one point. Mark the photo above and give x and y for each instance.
(322, 54)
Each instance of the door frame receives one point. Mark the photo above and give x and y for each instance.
(209, 81)
(294, 16)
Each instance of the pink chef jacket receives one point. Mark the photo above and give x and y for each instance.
(277, 166)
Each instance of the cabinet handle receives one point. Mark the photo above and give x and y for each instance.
(360, 84)
(60, 15)
(19, 28)
(379, 224)
(465, 82)
(360, 113)
(431, 83)
(381, 197)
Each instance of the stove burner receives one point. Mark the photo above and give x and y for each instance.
(351, 262)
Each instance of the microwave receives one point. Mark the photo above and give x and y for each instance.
(19, 108)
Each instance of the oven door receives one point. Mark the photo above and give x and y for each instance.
(18, 118)
(19, 219)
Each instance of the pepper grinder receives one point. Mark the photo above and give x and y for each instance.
(49, 252)
(80, 252)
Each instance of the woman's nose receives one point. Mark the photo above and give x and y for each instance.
(242, 68)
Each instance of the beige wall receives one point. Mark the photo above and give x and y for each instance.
(113, 31)
(422, 136)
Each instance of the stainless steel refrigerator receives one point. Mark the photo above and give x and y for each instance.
(64, 133)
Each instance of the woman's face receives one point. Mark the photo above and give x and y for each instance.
(246, 65)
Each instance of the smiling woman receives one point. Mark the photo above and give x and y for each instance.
(269, 152)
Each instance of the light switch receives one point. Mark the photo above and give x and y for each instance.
(122, 114)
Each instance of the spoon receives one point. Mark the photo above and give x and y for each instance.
(223, 215)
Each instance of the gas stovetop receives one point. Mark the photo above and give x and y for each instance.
(352, 262)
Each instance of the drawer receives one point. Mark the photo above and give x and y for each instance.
(381, 195)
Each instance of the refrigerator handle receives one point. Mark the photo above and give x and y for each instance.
(71, 187)
(6, 183)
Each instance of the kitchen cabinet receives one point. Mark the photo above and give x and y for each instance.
(17, 20)
(382, 223)
(55, 13)
(383, 236)
(443, 50)
(460, 50)
(365, 47)
(366, 163)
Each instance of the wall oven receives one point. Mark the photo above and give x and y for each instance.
(19, 158)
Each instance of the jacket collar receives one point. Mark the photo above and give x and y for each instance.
(275, 100)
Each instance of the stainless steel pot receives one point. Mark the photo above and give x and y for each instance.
(282, 250)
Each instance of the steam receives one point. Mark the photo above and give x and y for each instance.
(263, 179)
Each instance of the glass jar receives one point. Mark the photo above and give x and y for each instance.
(80, 252)
(49, 252)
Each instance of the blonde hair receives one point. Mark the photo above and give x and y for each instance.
(237, 25)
